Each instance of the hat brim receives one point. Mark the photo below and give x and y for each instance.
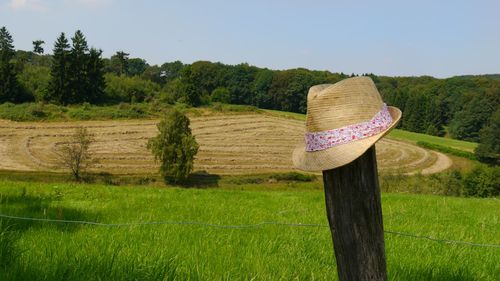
(340, 155)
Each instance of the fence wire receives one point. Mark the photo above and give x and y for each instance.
(242, 226)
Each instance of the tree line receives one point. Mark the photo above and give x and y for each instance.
(465, 107)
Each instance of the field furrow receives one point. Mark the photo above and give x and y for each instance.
(229, 144)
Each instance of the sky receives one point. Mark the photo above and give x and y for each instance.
(395, 38)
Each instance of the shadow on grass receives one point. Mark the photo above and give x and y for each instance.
(201, 179)
(29, 206)
(110, 264)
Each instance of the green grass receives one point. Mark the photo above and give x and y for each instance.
(286, 114)
(447, 149)
(416, 137)
(48, 251)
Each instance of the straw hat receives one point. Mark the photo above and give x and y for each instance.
(343, 121)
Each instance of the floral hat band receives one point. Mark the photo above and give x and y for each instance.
(316, 141)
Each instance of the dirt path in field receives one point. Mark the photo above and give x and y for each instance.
(229, 144)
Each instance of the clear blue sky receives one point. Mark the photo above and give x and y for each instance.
(400, 38)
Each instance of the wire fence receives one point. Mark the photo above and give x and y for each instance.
(242, 226)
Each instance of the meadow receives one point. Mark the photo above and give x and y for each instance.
(31, 250)
(448, 142)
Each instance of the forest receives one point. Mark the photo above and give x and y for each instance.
(462, 107)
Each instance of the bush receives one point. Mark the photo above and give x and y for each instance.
(37, 111)
(174, 146)
(482, 181)
(80, 114)
(22, 112)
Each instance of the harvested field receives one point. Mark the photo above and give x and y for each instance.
(229, 144)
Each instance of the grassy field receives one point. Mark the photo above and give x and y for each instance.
(416, 137)
(50, 251)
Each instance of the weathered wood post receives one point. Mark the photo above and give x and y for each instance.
(344, 121)
(355, 216)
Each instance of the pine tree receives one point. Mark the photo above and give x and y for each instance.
(122, 58)
(95, 74)
(79, 59)
(58, 90)
(37, 47)
(9, 86)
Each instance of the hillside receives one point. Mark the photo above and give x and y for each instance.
(230, 143)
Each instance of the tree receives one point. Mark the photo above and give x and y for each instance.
(153, 73)
(174, 146)
(171, 70)
(95, 74)
(9, 86)
(119, 63)
(289, 88)
(58, 88)
(467, 122)
(260, 88)
(129, 89)
(77, 74)
(238, 81)
(78, 78)
(136, 66)
(75, 154)
(37, 46)
(199, 80)
(35, 80)
(221, 94)
(488, 150)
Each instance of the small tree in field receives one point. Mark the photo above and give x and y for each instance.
(174, 146)
(75, 155)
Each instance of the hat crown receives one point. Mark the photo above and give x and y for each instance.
(350, 101)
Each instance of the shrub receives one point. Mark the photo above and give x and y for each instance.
(482, 181)
(74, 155)
(37, 111)
(80, 114)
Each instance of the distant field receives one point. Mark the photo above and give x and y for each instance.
(49, 251)
(415, 137)
(399, 134)
(230, 143)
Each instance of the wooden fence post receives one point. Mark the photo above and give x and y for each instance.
(355, 216)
